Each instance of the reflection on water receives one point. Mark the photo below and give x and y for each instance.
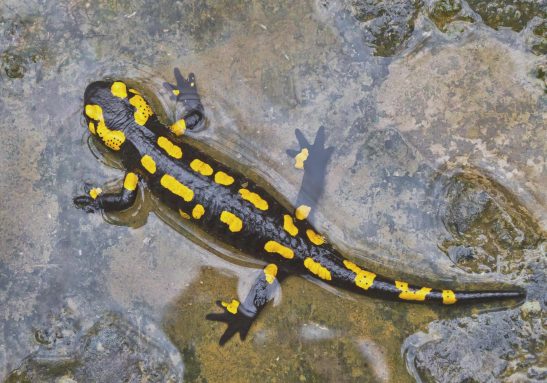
(436, 112)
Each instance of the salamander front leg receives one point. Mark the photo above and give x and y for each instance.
(240, 315)
(313, 159)
(188, 103)
(96, 199)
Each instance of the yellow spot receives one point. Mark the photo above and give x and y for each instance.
(94, 193)
(302, 212)
(184, 215)
(449, 297)
(409, 295)
(148, 163)
(363, 278)
(201, 167)
(223, 179)
(232, 306)
(170, 148)
(274, 247)
(198, 211)
(300, 158)
(316, 239)
(234, 223)
(134, 91)
(142, 110)
(316, 268)
(254, 198)
(270, 273)
(175, 187)
(130, 182)
(179, 127)
(176, 92)
(114, 139)
(94, 111)
(111, 138)
(288, 225)
(119, 89)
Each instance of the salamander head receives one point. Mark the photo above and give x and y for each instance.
(110, 107)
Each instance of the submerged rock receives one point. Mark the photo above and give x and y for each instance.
(490, 229)
(500, 346)
(467, 203)
(460, 253)
(531, 308)
(442, 12)
(13, 65)
(539, 39)
(386, 24)
(514, 14)
(111, 350)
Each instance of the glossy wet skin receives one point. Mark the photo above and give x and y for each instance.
(222, 193)
(228, 205)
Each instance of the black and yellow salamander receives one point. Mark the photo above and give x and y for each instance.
(223, 202)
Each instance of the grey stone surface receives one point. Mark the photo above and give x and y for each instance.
(111, 349)
(436, 110)
(503, 346)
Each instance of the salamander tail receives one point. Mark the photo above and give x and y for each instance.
(370, 283)
(445, 296)
(403, 291)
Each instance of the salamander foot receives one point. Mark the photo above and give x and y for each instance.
(236, 320)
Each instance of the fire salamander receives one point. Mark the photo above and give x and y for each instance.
(228, 205)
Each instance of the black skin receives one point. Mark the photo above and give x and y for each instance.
(188, 98)
(108, 202)
(260, 294)
(258, 226)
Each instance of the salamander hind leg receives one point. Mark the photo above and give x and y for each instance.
(239, 316)
(313, 159)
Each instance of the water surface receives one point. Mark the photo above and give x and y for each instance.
(437, 113)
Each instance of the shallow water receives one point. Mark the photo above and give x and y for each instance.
(436, 111)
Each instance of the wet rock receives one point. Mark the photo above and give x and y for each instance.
(13, 65)
(50, 248)
(539, 45)
(21, 47)
(530, 308)
(540, 74)
(514, 14)
(490, 230)
(491, 348)
(538, 373)
(110, 350)
(467, 204)
(443, 12)
(460, 253)
(386, 25)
